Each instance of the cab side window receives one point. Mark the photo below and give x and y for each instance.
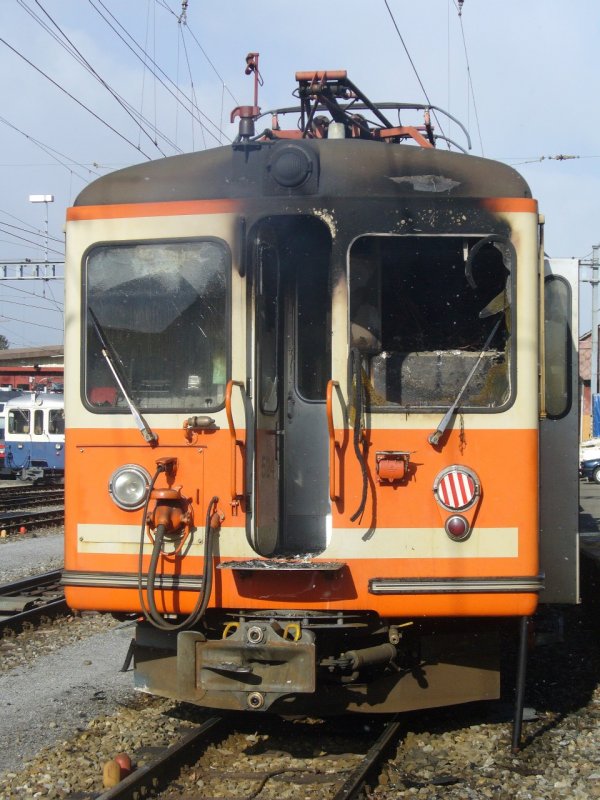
(56, 421)
(18, 420)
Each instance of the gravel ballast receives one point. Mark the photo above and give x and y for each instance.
(66, 709)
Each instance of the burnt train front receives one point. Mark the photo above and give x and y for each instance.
(302, 419)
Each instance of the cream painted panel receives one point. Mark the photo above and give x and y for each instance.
(346, 543)
(81, 235)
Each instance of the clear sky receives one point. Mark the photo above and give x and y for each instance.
(533, 95)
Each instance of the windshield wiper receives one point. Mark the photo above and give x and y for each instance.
(110, 356)
(435, 437)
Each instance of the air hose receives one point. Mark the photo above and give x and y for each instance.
(150, 611)
(356, 374)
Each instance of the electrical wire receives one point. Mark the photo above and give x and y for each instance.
(50, 151)
(156, 69)
(515, 162)
(80, 58)
(469, 78)
(30, 322)
(412, 63)
(33, 231)
(24, 291)
(193, 88)
(28, 241)
(72, 97)
(12, 302)
(202, 50)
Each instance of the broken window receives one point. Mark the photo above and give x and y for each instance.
(424, 311)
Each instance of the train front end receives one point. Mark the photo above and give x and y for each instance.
(302, 419)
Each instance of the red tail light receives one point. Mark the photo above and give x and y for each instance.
(457, 527)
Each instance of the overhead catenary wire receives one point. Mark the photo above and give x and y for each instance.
(193, 88)
(202, 50)
(469, 78)
(538, 159)
(156, 70)
(66, 43)
(30, 322)
(32, 231)
(72, 97)
(50, 151)
(28, 241)
(58, 309)
(412, 63)
(14, 288)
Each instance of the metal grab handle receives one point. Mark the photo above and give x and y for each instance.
(333, 493)
(234, 440)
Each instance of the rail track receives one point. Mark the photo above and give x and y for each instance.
(10, 488)
(14, 521)
(30, 599)
(22, 497)
(344, 785)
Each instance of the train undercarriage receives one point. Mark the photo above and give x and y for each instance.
(306, 662)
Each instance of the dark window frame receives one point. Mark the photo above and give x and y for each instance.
(568, 352)
(511, 350)
(124, 410)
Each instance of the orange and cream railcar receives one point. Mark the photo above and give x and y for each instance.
(303, 413)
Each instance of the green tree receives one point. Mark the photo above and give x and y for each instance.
(3, 342)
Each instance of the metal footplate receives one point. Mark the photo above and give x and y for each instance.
(256, 664)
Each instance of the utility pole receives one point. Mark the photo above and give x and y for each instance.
(594, 280)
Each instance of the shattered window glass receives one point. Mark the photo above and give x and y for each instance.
(425, 313)
(161, 309)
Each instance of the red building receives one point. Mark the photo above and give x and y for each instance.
(585, 375)
(32, 368)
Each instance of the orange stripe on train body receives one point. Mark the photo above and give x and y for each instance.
(232, 205)
(520, 204)
(160, 209)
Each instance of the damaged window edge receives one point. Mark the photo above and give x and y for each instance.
(497, 305)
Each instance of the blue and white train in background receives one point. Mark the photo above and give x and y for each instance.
(34, 437)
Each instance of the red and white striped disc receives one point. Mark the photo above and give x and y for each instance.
(456, 489)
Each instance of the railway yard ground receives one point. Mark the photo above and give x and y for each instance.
(67, 709)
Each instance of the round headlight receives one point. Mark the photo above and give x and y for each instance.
(128, 486)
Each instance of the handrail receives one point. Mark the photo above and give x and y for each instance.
(333, 493)
(235, 495)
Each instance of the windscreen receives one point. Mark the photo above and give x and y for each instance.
(423, 312)
(160, 311)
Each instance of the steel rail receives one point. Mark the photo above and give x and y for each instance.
(23, 600)
(22, 501)
(31, 519)
(151, 776)
(355, 782)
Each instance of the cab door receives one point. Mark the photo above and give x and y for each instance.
(269, 430)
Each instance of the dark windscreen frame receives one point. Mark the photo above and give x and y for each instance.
(158, 327)
(422, 309)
